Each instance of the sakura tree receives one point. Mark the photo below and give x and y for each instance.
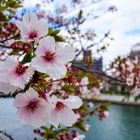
(36, 68)
(127, 70)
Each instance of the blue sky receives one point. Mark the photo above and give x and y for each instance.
(134, 31)
(124, 24)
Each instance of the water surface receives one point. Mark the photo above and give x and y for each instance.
(123, 124)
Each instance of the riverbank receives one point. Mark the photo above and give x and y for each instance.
(115, 99)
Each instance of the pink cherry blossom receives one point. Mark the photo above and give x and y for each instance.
(84, 81)
(51, 59)
(90, 105)
(62, 112)
(79, 137)
(31, 108)
(14, 72)
(129, 64)
(84, 91)
(106, 113)
(31, 27)
(130, 80)
(94, 91)
(135, 91)
(87, 126)
(83, 87)
(57, 85)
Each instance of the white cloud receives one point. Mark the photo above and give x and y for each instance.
(124, 20)
(31, 3)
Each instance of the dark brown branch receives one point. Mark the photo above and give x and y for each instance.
(7, 135)
(100, 41)
(99, 74)
(2, 41)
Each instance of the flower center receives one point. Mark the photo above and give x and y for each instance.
(20, 69)
(32, 105)
(33, 34)
(59, 105)
(49, 56)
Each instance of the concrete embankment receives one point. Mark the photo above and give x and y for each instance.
(115, 99)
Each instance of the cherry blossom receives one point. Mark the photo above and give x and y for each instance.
(135, 91)
(14, 72)
(31, 27)
(130, 80)
(3, 54)
(62, 112)
(83, 86)
(128, 70)
(90, 105)
(31, 108)
(94, 91)
(51, 59)
(57, 85)
(106, 113)
(84, 81)
(84, 91)
(79, 137)
(87, 126)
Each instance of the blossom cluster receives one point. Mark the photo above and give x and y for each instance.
(37, 71)
(76, 84)
(128, 70)
(47, 57)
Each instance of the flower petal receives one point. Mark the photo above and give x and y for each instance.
(67, 117)
(43, 27)
(56, 70)
(26, 18)
(65, 54)
(46, 44)
(73, 102)
(54, 118)
(39, 64)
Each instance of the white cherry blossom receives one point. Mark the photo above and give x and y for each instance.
(31, 28)
(62, 112)
(31, 108)
(51, 59)
(14, 72)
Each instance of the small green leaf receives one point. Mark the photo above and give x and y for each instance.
(2, 17)
(28, 57)
(53, 32)
(80, 126)
(59, 39)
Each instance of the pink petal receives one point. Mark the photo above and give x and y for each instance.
(26, 18)
(73, 102)
(54, 120)
(21, 100)
(22, 27)
(56, 70)
(65, 54)
(67, 117)
(34, 20)
(48, 42)
(43, 27)
(39, 64)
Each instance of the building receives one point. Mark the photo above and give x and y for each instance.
(135, 51)
(88, 63)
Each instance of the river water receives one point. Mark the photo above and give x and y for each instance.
(122, 124)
